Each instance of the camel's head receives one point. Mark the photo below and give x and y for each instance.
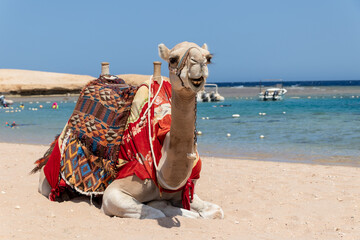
(187, 65)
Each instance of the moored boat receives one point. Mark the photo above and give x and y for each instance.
(209, 96)
(272, 93)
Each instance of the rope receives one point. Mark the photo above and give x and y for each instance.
(149, 117)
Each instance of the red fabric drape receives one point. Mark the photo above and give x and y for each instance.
(52, 170)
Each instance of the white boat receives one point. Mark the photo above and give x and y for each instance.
(5, 102)
(209, 96)
(273, 93)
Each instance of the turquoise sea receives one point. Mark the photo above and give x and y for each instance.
(319, 129)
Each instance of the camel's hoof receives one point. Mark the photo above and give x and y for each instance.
(212, 212)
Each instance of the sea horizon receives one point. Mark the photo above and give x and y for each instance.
(300, 83)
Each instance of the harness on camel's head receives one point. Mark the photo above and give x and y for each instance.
(177, 71)
(181, 65)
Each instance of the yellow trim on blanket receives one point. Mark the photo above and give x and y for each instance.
(140, 99)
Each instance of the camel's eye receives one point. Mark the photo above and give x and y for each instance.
(173, 60)
(208, 58)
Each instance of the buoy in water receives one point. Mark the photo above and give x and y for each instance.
(199, 132)
(55, 105)
(236, 115)
(228, 135)
(262, 136)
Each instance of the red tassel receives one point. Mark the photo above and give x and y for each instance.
(56, 192)
(188, 194)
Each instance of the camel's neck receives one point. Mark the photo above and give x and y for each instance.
(179, 155)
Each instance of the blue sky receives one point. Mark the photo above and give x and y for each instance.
(251, 40)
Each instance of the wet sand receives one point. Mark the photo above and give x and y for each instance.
(261, 200)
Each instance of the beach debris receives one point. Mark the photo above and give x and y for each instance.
(3, 192)
(236, 115)
(17, 207)
(228, 135)
(262, 136)
(199, 132)
(236, 222)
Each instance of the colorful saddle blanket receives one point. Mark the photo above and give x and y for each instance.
(107, 137)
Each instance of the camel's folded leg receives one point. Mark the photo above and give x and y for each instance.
(206, 209)
(44, 187)
(171, 211)
(118, 203)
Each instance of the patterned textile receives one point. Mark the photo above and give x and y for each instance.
(100, 115)
(96, 127)
(85, 172)
(135, 153)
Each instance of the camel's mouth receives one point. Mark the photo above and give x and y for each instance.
(197, 82)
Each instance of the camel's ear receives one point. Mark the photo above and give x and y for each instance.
(205, 47)
(164, 52)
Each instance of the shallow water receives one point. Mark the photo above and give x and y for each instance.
(303, 129)
(314, 130)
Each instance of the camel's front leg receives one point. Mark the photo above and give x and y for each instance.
(171, 211)
(206, 209)
(117, 202)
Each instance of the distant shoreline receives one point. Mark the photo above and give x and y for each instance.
(16, 83)
(292, 91)
(227, 92)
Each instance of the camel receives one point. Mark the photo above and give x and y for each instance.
(132, 197)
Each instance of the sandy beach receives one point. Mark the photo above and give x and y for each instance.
(261, 200)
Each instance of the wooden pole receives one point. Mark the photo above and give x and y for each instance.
(105, 70)
(157, 71)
